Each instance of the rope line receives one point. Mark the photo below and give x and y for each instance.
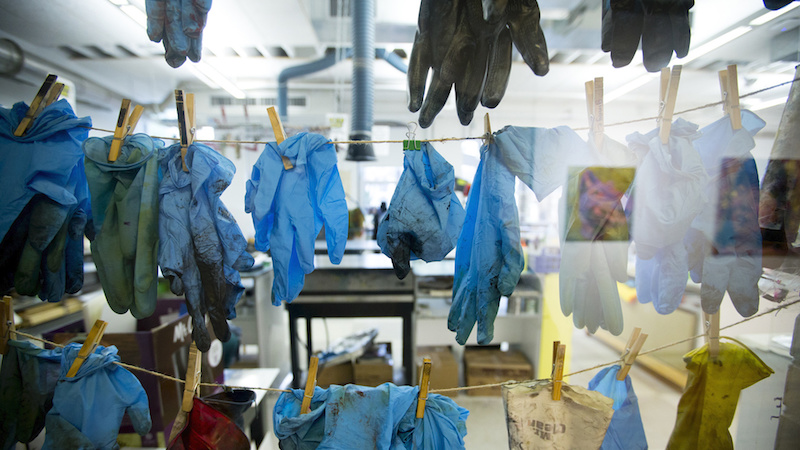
(400, 141)
(435, 391)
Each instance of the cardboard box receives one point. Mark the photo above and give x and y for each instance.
(340, 374)
(161, 344)
(444, 368)
(374, 367)
(490, 365)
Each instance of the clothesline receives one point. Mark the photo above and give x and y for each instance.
(400, 141)
(433, 391)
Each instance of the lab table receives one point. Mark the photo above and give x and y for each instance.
(362, 285)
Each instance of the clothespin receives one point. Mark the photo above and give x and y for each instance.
(729, 85)
(280, 133)
(423, 387)
(594, 108)
(311, 382)
(558, 371)
(6, 322)
(185, 106)
(712, 333)
(632, 349)
(193, 375)
(34, 108)
(88, 346)
(487, 130)
(54, 93)
(411, 143)
(668, 97)
(125, 126)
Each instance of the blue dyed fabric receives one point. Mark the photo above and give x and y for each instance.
(625, 432)
(125, 203)
(88, 408)
(383, 417)
(201, 249)
(425, 216)
(290, 207)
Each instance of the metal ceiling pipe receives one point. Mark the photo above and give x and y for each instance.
(329, 60)
(11, 58)
(361, 113)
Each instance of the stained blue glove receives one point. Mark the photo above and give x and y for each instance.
(384, 417)
(425, 216)
(27, 381)
(180, 24)
(725, 239)
(125, 205)
(290, 207)
(625, 430)
(201, 247)
(88, 407)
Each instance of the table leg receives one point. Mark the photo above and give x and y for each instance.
(408, 345)
(293, 350)
(309, 348)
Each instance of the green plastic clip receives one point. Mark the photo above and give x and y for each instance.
(409, 144)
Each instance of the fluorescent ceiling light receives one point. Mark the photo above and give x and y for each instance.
(630, 86)
(213, 79)
(118, 2)
(767, 104)
(772, 15)
(554, 13)
(136, 14)
(715, 43)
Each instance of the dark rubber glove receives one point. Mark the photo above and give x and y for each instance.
(665, 29)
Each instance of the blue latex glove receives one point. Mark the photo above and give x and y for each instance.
(27, 381)
(125, 205)
(290, 207)
(180, 24)
(425, 216)
(725, 239)
(625, 430)
(88, 407)
(384, 417)
(201, 247)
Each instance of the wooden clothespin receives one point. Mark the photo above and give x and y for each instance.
(88, 347)
(667, 98)
(729, 87)
(6, 322)
(712, 333)
(54, 93)
(632, 349)
(125, 126)
(36, 105)
(594, 109)
(280, 133)
(185, 106)
(424, 384)
(311, 382)
(487, 130)
(193, 375)
(411, 143)
(558, 371)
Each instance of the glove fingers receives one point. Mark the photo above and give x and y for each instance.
(194, 14)
(626, 32)
(486, 315)
(681, 32)
(657, 45)
(47, 218)
(418, 66)
(469, 87)
(743, 284)
(529, 39)
(156, 16)
(434, 101)
(195, 49)
(498, 71)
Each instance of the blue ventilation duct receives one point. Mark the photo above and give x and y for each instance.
(288, 73)
(363, 80)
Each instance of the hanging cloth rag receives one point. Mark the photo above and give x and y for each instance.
(594, 239)
(425, 216)
(536, 421)
(27, 382)
(125, 205)
(45, 204)
(290, 207)
(201, 248)
(626, 431)
(88, 408)
(724, 242)
(667, 196)
(213, 424)
(383, 417)
(708, 403)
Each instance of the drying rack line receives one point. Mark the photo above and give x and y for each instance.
(434, 391)
(400, 141)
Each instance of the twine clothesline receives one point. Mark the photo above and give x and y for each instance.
(435, 391)
(400, 141)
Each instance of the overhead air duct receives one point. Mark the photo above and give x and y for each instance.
(363, 80)
(11, 58)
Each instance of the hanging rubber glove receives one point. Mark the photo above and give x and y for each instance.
(125, 202)
(776, 4)
(665, 28)
(88, 408)
(626, 431)
(290, 207)
(47, 219)
(622, 29)
(726, 243)
(425, 216)
(27, 382)
(527, 34)
(201, 248)
(179, 24)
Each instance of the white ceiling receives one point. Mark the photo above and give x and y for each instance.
(250, 41)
